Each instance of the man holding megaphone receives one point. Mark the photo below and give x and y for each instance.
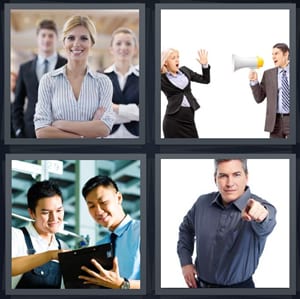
(275, 87)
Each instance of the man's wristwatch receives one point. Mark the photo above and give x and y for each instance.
(125, 284)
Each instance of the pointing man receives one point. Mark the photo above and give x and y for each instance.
(229, 228)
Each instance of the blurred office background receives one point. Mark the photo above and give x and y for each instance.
(79, 228)
(23, 32)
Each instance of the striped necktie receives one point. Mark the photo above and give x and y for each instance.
(285, 95)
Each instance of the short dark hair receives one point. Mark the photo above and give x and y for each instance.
(97, 181)
(282, 46)
(46, 24)
(218, 161)
(41, 190)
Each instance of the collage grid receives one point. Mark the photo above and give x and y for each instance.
(157, 155)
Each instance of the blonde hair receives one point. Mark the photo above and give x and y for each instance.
(165, 54)
(75, 21)
(124, 30)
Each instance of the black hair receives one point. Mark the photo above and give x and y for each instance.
(96, 181)
(41, 190)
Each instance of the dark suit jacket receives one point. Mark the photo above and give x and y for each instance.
(175, 95)
(268, 88)
(27, 87)
(129, 95)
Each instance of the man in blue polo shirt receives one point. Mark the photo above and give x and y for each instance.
(230, 228)
(104, 202)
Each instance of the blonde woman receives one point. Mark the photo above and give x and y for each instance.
(74, 101)
(125, 78)
(176, 84)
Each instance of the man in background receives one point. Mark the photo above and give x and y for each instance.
(29, 75)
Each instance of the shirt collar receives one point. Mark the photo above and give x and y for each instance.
(51, 59)
(287, 69)
(62, 71)
(122, 227)
(240, 203)
(169, 74)
(134, 69)
(33, 232)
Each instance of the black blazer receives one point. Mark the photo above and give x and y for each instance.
(175, 95)
(129, 95)
(27, 87)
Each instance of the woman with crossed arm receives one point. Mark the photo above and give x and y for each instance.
(74, 101)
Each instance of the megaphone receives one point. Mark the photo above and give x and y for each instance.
(240, 62)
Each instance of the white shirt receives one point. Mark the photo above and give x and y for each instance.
(280, 108)
(19, 248)
(127, 112)
(40, 65)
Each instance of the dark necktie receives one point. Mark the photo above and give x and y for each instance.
(285, 92)
(113, 238)
(46, 66)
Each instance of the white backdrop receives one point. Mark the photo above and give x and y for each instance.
(184, 180)
(228, 109)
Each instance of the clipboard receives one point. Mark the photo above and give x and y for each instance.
(72, 261)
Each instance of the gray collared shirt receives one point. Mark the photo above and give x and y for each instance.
(227, 247)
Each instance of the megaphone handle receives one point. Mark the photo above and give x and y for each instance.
(253, 75)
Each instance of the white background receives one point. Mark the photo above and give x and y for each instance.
(228, 109)
(184, 180)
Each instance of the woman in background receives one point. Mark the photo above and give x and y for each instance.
(176, 84)
(125, 79)
(74, 101)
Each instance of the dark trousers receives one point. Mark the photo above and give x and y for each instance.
(244, 284)
(282, 126)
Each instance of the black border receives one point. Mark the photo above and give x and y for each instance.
(221, 6)
(106, 292)
(110, 141)
(230, 291)
(150, 148)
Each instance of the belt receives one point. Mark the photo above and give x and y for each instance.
(282, 114)
(204, 284)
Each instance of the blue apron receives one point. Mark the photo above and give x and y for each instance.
(47, 276)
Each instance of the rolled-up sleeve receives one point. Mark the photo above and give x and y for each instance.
(106, 92)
